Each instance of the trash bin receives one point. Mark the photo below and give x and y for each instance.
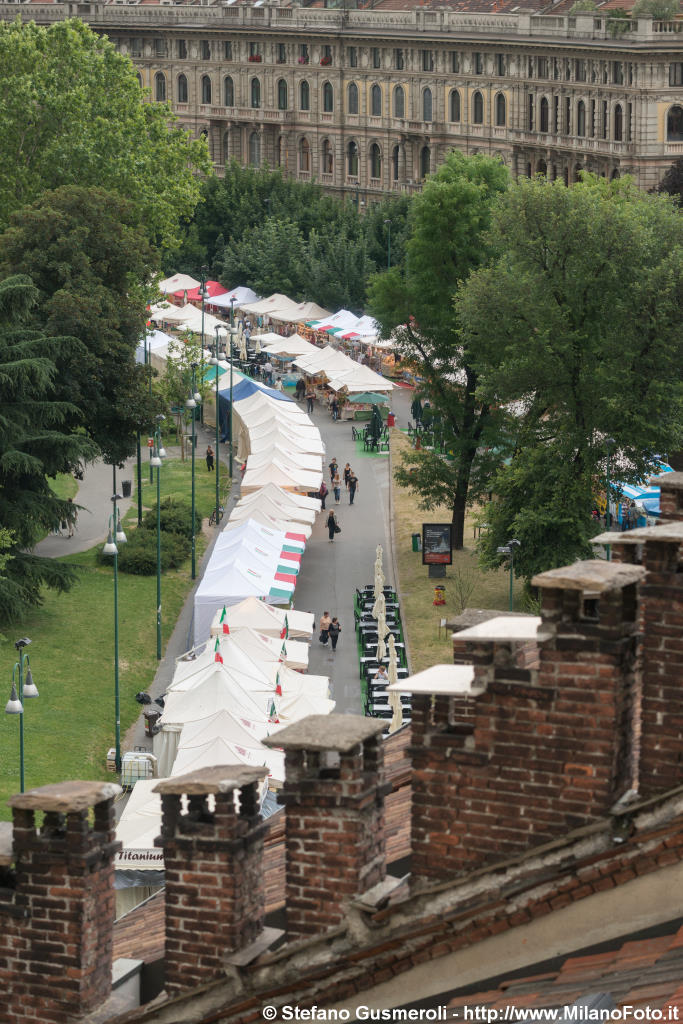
(391, 420)
(417, 542)
(152, 714)
(126, 488)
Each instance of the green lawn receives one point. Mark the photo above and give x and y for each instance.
(68, 730)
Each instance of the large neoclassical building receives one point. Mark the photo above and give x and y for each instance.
(367, 96)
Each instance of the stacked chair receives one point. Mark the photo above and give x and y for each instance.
(376, 695)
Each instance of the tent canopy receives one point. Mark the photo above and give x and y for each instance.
(369, 398)
(178, 282)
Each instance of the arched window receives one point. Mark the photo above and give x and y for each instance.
(454, 106)
(255, 149)
(304, 155)
(399, 102)
(427, 105)
(544, 115)
(425, 161)
(394, 162)
(674, 124)
(478, 108)
(618, 123)
(255, 93)
(375, 161)
(206, 89)
(542, 167)
(160, 87)
(615, 174)
(328, 98)
(352, 160)
(139, 78)
(501, 110)
(228, 92)
(352, 98)
(282, 94)
(581, 118)
(305, 96)
(327, 159)
(577, 172)
(375, 101)
(182, 89)
(226, 148)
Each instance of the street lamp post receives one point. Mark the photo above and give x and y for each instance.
(214, 362)
(509, 549)
(15, 704)
(157, 454)
(148, 361)
(232, 321)
(388, 226)
(191, 404)
(609, 441)
(115, 538)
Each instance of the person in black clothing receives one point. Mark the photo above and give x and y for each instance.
(322, 494)
(209, 458)
(331, 525)
(353, 486)
(334, 631)
(333, 467)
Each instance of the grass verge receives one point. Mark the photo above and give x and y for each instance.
(69, 728)
(466, 584)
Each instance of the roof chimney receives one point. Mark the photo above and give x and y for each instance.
(334, 826)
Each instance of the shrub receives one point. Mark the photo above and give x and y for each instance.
(138, 555)
(176, 517)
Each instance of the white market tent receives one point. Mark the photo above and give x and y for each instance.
(342, 320)
(358, 379)
(295, 436)
(274, 500)
(232, 584)
(138, 827)
(240, 295)
(220, 750)
(188, 318)
(290, 347)
(265, 307)
(299, 313)
(323, 360)
(276, 452)
(255, 614)
(179, 282)
(365, 327)
(285, 475)
(157, 343)
(259, 647)
(292, 528)
(268, 507)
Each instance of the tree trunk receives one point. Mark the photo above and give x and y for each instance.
(458, 521)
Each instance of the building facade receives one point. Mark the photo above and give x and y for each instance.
(370, 101)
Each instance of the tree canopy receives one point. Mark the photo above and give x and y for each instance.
(87, 254)
(33, 447)
(447, 223)
(73, 112)
(585, 343)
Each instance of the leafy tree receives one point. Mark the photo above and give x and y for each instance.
(415, 303)
(270, 258)
(175, 387)
(585, 343)
(87, 253)
(33, 448)
(336, 271)
(660, 9)
(582, 5)
(73, 112)
(672, 182)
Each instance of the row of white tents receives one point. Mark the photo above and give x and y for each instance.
(246, 674)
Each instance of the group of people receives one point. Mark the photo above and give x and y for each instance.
(330, 628)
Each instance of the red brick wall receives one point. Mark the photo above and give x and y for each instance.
(335, 842)
(215, 892)
(535, 755)
(661, 741)
(56, 918)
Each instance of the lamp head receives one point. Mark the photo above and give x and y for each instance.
(162, 452)
(24, 642)
(514, 543)
(155, 460)
(120, 535)
(190, 403)
(197, 397)
(110, 547)
(160, 417)
(14, 705)
(30, 688)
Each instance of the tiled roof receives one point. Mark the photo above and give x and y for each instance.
(140, 934)
(644, 973)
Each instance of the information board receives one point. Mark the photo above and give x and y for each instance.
(436, 544)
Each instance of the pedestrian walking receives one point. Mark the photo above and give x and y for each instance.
(310, 398)
(300, 388)
(353, 486)
(334, 631)
(333, 468)
(268, 371)
(71, 517)
(336, 487)
(332, 525)
(335, 409)
(209, 459)
(322, 494)
(325, 623)
(347, 473)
